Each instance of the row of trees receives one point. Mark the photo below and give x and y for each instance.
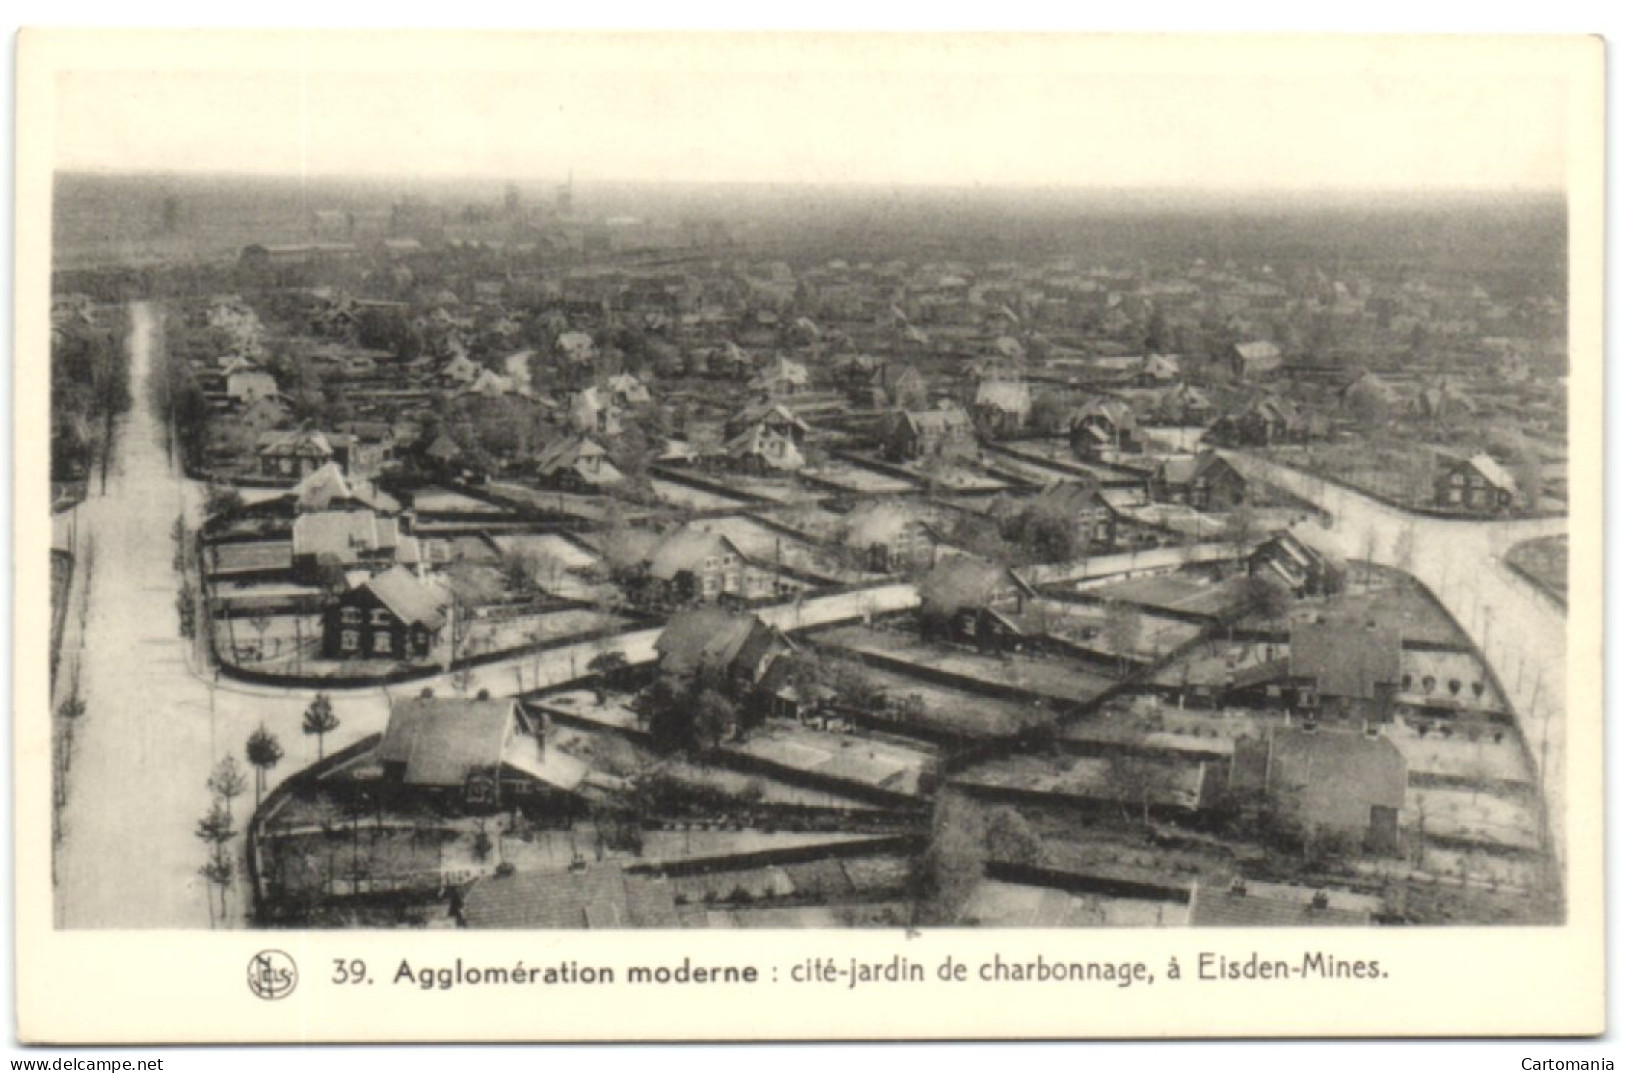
(226, 782)
(90, 387)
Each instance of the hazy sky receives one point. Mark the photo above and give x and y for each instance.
(1213, 113)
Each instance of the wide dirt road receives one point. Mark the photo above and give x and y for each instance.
(143, 752)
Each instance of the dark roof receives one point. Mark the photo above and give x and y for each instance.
(1335, 777)
(442, 739)
(1346, 659)
(566, 452)
(705, 637)
(1273, 905)
(599, 896)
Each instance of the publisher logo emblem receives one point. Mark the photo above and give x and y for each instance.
(272, 975)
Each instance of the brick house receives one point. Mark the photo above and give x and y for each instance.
(394, 616)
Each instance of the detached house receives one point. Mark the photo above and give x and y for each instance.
(1103, 426)
(1290, 562)
(592, 411)
(1346, 670)
(350, 539)
(781, 378)
(890, 536)
(1001, 407)
(767, 437)
(1183, 405)
(1265, 421)
(301, 452)
(1338, 783)
(697, 565)
(729, 648)
(476, 752)
(576, 463)
(393, 616)
(1478, 484)
(944, 432)
(1249, 361)
(1205, 482)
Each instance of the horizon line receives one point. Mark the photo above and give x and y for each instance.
(1011, 185)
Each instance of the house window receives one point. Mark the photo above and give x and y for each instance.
(350, 616)
(380, 617)
(709, 585)
(381, 642)
(350, 640)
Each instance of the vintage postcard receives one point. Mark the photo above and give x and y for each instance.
(689, 536)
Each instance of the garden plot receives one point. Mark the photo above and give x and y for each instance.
(1476, 817)
(769, 547)
(681, 495)
(550, 546)
(1478, 757)
(590, 508)
(817, 522)
(1192, 593)
(914, 703)
(861, 479)
(778, 490)
(441, 501)
(1053, 678)
(860, 759)
(1088, 777)
(498, 635)
(237, 558)
(1390, 598)
(1085, 625)
(1454, 679)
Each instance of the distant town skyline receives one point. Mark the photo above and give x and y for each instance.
(1188, 114)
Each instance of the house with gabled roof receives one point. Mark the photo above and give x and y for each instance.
(475, 751)
(349, 540)
(1182, 405)
(1340, 783)
(764, 437)
(945, 431)
(1103, 426)
(1249, 361)
(780, 378)
(330, 489)
(593, 411)
(1347, 670)
(576, 463)
(1001, 406)
(733, 649)
(1205, 482)
(1266, 420)
(691, 564)
(1477, 485)
(300, 452)
(1295, 565)
(395, 615)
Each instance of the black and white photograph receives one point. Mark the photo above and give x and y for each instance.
(911, 484)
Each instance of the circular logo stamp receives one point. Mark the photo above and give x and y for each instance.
(272, 975)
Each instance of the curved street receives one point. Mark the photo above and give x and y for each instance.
(1522, 633)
